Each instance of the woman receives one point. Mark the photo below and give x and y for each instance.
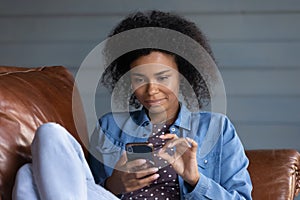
(197, 155)
(155, 78)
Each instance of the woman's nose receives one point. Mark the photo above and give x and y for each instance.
(152, 88)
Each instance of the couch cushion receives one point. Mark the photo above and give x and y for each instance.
(29, 98)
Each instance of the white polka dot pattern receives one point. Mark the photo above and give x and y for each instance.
(166, 186)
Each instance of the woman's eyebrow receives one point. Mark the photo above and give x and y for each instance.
(156, 74)
(137, 74)
(162, 72)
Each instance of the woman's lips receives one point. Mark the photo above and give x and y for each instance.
(154, 102)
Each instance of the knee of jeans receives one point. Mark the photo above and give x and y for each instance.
(50, 131)
(25, 171)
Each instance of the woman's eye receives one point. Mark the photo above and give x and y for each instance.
(163, 78)
(138, 80)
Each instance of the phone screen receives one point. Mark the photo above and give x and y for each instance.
(139, 151)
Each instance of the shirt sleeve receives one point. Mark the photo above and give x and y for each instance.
(96, 166)
(235, 180)
(97, 156)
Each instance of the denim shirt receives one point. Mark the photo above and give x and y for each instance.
(221, 158)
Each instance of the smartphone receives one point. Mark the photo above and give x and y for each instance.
(142, 150)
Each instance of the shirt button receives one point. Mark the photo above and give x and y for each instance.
(173, 129)
(205, 161)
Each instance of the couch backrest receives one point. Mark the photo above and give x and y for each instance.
(29, 98)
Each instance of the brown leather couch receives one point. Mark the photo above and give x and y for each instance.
(30, 97)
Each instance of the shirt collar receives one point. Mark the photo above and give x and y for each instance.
(183, 119)
(140, 117)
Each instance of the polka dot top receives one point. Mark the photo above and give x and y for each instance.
(166, 186)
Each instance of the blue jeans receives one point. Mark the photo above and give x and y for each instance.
(58, 169)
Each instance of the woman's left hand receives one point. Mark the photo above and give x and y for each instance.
(183, 160)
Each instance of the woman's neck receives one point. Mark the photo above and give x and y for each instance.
(163, 118)
(156, 120)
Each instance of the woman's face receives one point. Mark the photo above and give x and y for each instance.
(155, 81)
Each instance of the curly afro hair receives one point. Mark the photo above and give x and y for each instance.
(195, 93)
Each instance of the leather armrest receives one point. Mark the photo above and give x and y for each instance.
(274, 173)
(30, 97)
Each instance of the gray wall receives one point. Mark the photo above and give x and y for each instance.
(256, 43)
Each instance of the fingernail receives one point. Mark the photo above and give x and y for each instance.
(142, 161)
(156, 176)
(155, 169)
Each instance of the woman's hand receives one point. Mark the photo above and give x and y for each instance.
(130, 176)
(183, 160)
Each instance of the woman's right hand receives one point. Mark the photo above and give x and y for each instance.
(130, 176)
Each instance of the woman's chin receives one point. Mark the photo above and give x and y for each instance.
(157, 109)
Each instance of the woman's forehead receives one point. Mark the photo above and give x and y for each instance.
(155, 69)
(155, 57)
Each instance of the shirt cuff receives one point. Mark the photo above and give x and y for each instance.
(200, 189)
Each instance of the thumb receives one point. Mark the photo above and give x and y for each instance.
(122, 161)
